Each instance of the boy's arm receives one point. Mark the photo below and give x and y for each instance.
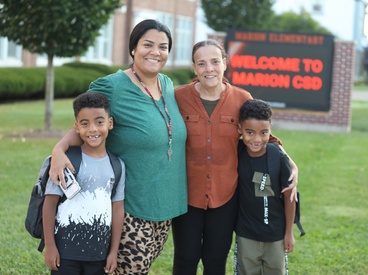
(51, 257)
(59, 160)
(116, 229)
(289, 207)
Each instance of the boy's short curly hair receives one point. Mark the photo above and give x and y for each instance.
(255, 108)
(90, 100)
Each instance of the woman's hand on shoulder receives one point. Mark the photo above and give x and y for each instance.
(59, 160)
(294, 181)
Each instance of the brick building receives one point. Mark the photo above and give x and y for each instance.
(111, 47)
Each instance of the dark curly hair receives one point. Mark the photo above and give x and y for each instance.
(90, 100)
(255, 108)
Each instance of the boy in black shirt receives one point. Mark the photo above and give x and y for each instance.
(265, 222)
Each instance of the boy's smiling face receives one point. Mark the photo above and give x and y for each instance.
(256, 134)
(93, 125)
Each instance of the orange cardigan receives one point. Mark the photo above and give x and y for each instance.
(211, 148)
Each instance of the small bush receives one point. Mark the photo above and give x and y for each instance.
(104, 69)
(70, 80)
(23, 83)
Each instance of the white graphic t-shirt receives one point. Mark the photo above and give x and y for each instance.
(83, 223)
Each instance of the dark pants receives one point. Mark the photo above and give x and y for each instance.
(206, 235)
(72, 267)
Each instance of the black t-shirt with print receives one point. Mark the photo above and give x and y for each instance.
(261, 214)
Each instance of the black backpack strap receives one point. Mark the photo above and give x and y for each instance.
(74, 154)
(41, 245)
(116, 166)
(273, 160)
(297, 217)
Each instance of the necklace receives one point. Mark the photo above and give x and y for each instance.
(168, 119)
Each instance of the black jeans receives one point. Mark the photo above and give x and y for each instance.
(73, 267)
(204, 235)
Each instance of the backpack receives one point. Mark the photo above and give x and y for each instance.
(33, 222)
(273, 163)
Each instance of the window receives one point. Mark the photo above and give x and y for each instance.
(101, 51)
(184, 40)
(10, 53)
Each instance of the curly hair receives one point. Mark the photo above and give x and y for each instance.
(90, 100)
(255, 108)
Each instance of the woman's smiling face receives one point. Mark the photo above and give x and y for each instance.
(209, 66)
(151, 52)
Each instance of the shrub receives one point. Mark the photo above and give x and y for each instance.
(104, 69)
(25, 83)
(71, 79)
(70, 82)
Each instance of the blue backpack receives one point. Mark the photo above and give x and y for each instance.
(33, 222)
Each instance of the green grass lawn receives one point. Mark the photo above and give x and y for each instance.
(333, 173)
(360, 87)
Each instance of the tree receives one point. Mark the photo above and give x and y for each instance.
(293, 22)
(236, 14)
(63, 28)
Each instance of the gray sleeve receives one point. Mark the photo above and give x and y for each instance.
(53, 189)
(120, 188)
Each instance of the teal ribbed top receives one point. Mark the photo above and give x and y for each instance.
(155, 188)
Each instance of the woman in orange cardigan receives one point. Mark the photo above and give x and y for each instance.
(210, 109)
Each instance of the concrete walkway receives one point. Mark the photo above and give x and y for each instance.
(359, 95)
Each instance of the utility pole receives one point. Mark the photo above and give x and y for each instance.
(128, 27)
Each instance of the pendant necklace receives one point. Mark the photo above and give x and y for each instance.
(168, 119)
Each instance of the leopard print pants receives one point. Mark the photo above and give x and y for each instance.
(141, 243)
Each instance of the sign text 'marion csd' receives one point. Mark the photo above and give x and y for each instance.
(275, 65)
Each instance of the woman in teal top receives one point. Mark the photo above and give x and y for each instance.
(149, 135)
(155, 185)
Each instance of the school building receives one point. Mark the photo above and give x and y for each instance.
(111, 47)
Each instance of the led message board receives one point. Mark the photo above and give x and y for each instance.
(288, 70)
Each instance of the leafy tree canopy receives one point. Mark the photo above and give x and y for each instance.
(222, 15)
(293, 22)
(62, 28)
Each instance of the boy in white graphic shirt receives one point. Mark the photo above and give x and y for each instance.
(82, 234)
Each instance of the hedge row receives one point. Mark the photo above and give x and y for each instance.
(71, 79)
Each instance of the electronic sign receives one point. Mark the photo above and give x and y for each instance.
(288, 70)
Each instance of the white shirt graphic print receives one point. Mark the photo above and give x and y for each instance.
(83, 223)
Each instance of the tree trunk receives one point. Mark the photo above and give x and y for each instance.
(49, 92)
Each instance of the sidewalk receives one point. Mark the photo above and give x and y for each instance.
(359, 95)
